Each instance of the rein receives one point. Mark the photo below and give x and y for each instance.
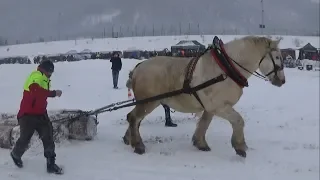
(218, 44)
(276, 68)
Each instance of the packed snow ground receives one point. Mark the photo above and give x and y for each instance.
(282, 131)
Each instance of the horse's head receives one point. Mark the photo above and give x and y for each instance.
(271, 63)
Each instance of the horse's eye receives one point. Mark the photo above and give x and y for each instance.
(277, 67)
(277, 57)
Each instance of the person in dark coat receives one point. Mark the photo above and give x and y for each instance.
(32, 116)
(169, 122)
(116, 67)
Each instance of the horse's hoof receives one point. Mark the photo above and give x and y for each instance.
(196, 143)
(241, 153)
(125, 140)
(139, 151)
(204, 148)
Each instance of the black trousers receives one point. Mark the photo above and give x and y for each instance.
(28, 125)
(167, 112)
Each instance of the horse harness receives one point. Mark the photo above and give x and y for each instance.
(224, 62)
(222, 59)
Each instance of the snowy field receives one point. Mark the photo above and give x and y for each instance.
(282, 131)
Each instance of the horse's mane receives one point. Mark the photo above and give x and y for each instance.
(261, 42)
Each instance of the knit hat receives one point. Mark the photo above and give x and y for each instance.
(47, 65)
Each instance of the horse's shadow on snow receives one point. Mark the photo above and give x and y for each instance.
(160, 120)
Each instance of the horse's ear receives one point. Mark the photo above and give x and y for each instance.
(274, 44)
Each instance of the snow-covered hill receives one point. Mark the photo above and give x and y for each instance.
(143, 43)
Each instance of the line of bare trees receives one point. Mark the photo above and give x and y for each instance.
(3, 41)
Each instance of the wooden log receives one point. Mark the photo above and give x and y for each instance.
(5, 136)
(83, 128)
(15, 134)
(8, 119)
(10, 134)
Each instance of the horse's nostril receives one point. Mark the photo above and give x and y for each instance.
(283, 81)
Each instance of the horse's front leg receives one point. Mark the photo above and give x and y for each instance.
(237, 122)
(199, 136)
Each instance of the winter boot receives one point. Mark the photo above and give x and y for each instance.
(17, 160)
(169, 123)
(52, 167)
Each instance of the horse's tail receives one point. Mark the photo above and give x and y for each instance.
(129, 81)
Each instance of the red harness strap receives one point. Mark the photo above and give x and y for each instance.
(218, 61)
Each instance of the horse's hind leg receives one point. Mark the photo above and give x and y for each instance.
(134, 118)
(237, 122)
(127, 136)
(199, 136)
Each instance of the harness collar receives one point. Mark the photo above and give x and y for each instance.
(225, 63)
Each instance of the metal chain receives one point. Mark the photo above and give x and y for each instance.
(73, 117)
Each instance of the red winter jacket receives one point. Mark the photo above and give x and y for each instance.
(36, 92)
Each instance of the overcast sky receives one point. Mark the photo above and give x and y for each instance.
(30, 19)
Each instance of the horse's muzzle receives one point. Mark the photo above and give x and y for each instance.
(276, 81)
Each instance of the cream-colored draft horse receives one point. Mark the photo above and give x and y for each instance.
(163, 74)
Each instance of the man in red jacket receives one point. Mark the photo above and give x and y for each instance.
(33, 116)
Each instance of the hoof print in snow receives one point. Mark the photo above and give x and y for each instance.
(158, 139)
(166, 153)
(193, 166)
(311, 146)
(291, 147)
(303, 146)
(158, 120)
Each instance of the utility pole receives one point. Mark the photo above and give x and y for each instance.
(136, 30)
(262, 25)
(199, 29)
(59, 26)
(112, 31)
(162, 30)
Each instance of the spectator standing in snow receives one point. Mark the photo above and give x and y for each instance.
(116, 67)
(33, 116)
